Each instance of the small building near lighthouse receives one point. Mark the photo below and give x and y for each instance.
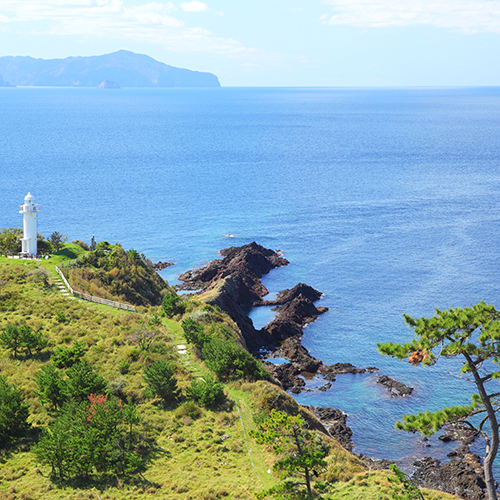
(30, 213)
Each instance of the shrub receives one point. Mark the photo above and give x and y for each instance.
(188, 410)
(208, 392)
(123, 366)
(194, 333)
(57, 240)
(10, 241)
(39, 275)
(155, 320)
(14, 411)
(230, 362)
(144, 338)
(52, 387)
(112, 273)
(83, 380)
(172, 304)
(65, 357)
(161, 381)
(59, 386)
(43, 245)
(61, 317)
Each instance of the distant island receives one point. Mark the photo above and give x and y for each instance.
(122, 68)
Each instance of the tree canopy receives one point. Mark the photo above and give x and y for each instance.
(95, 436)
(472, 334)
(14, 411)
(299, 457)
(22, 337)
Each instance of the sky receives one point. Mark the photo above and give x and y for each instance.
(305, 43)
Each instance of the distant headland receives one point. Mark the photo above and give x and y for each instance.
(123, 68)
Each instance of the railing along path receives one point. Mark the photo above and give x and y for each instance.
(92, 298)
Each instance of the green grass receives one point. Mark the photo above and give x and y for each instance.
(193, 460)
(376, 486)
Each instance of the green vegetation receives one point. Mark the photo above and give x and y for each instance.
(300, 455)
(161, 381)
(112, 273)
(472, 334)
(94, 437)
(14, 412)
(10, 240)
(230, 362)
(22, 337)
(218, 346)
(66, 357)
(172, 304)
(57, 387)
(80, 420)
(411, 492)
(57, 240)
(207, 392)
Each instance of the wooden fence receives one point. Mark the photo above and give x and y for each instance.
(92, 298)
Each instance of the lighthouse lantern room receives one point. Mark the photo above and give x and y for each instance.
(29, 211)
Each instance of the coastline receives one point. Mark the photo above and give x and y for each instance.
(233, 283)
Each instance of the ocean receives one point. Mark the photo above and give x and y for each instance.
(385, 200)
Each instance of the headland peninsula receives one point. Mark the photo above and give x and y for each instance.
(173, 400)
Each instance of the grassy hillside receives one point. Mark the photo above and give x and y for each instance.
(196, 452)
(112, 273)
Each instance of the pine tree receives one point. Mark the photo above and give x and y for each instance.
(14, 411)
(299, 459)
(472, 334)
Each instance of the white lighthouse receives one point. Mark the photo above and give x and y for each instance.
(29, 211)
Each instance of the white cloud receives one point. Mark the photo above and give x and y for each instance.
(152, 14)
(469, 16)
(194, 6)
(152, 22)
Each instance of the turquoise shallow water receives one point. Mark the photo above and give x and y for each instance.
(385, 200)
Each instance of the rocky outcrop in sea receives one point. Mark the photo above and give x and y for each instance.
(234, 284)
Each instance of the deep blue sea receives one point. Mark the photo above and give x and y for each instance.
(386, 200)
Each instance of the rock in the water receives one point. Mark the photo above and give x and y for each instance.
(234, 282)
(331, 371)
(457, 432)
(159, 266)
(458, 477)
(288, 295)
(396, 389)
(288, 376)
(293, 350)
(292, 317)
